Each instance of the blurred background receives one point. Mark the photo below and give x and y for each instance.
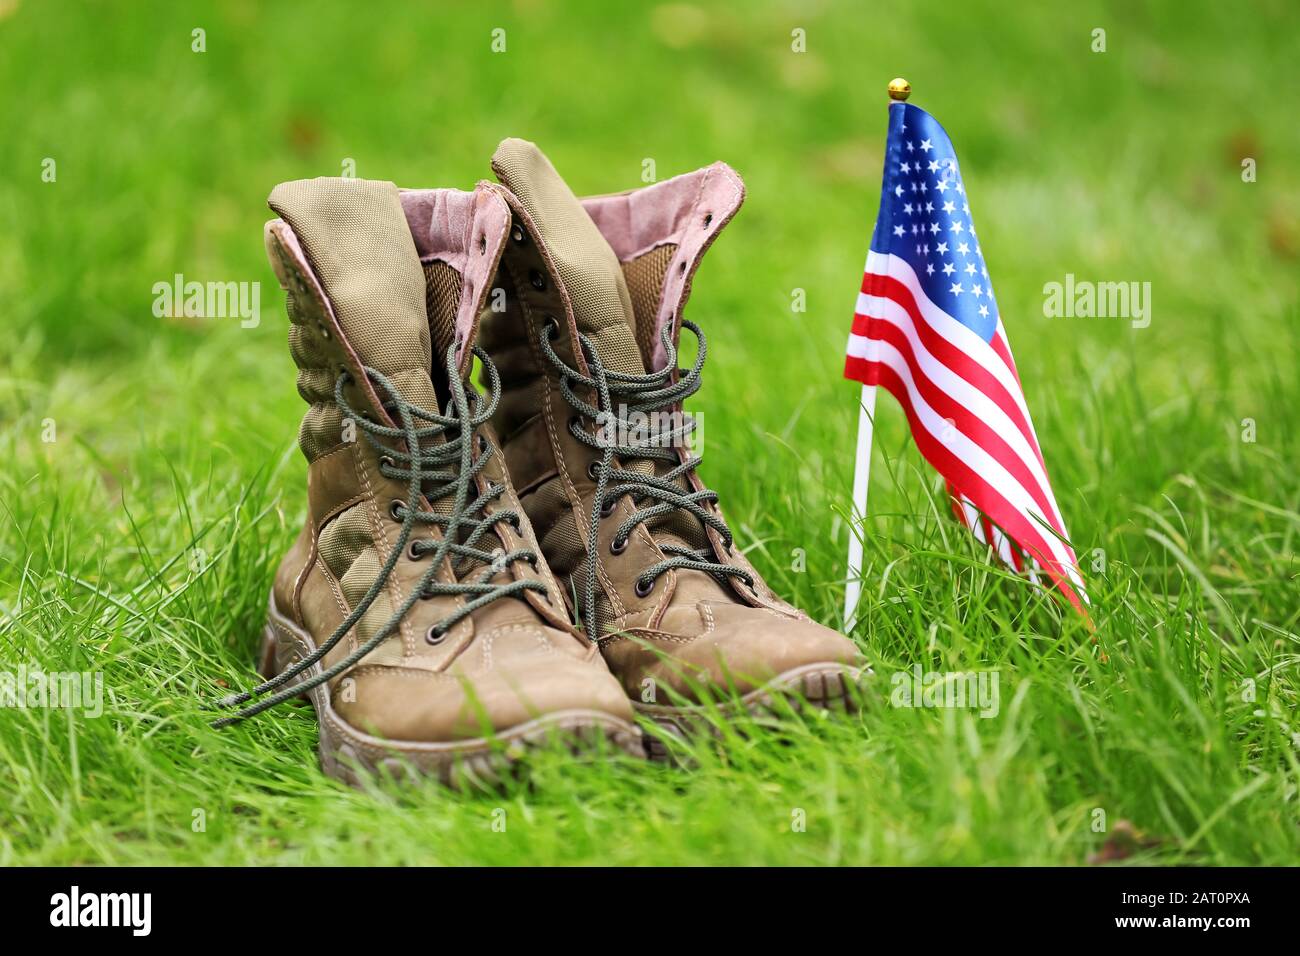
(139, 141)
(1116, 165)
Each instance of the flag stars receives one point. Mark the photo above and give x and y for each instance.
(935, 233)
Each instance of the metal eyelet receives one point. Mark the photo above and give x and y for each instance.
(536, 280)
(551, 325)
(386, 461)
(608, 508)
(618, 545)
(324, 330)
(517, 234)
(412, 553)
(482, 445)
(435, 635)
(593, 471)
(395, 509)
(643, 590)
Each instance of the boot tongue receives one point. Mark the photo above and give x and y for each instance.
(587, 265)
(597, 289)
(356, 238)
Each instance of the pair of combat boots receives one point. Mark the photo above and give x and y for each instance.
(454, 536)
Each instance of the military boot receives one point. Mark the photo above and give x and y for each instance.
(595, 441)
(415, 609)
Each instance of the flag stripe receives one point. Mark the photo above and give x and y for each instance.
(987, 498)
(1003, 351)
(968, 450)
(891, 297)
(992, 372)
(971, 352)
(971, 410)
(957, 362)
(966, 514)
(1003, 348)
(999, 496)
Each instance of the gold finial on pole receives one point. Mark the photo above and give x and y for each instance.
(899, 89)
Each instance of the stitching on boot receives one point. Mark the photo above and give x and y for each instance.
(575, 499)
(336, 589)
(707, 613)
(645, 634)
(489, 639)
(381, 533)
(512, 501)
(312, 554)
(338, 510)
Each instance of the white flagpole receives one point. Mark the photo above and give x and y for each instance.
(899, 90)
(858, 516)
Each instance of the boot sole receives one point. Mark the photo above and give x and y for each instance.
(832, 687)
(350, 755)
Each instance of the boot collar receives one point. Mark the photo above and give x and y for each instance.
(467, 231)
(688, 212)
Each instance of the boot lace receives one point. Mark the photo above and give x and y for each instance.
(435, 471)
(619, 395)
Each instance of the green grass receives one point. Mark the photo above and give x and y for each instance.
(141, 541)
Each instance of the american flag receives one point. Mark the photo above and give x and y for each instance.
(928, 329)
